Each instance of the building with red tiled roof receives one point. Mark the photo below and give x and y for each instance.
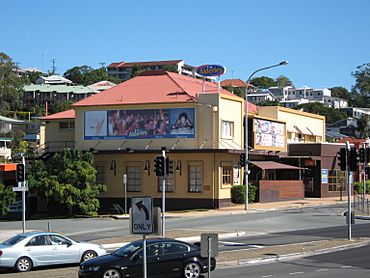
(200, 125)
(124, 70)
(234, 83)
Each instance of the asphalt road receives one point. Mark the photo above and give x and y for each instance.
(343, 264)
(252, 223)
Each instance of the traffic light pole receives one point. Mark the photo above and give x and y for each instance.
(23, 198)
(364, 175)
(349, 190)
(163, 198)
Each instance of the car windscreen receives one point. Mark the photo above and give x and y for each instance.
(13, 240)
(128, 249)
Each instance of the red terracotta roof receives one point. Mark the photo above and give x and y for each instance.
(144, 64)
(116, 64)
(252, 108)
(152, 87)
(233, 83)
(68, 114)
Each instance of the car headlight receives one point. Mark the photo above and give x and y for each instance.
(93, 268)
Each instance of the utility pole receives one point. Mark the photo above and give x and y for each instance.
(53, 66)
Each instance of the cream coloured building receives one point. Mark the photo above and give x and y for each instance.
(203, 134)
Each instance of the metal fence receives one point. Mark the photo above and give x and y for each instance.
(361, 204)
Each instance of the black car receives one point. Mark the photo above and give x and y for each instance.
(165, 258)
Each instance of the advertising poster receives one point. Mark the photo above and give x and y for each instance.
(95, 123)
(142, 124)
(324, 175)
(269, 134)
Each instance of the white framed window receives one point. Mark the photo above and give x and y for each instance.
(133, 178)
(100, 172)
(227, 178)
(195, 178)
(169, 187)
(227, 129)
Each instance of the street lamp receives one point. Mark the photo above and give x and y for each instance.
(246, 167)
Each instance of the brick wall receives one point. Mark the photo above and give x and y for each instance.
(280, 190)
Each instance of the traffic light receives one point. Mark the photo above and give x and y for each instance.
(159, 166)
(353, 160)
(342, 157)
(242, 160)
(169, 166)
(20, 172)
(367, 171)
(362, 155)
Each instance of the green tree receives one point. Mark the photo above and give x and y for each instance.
(362, 78)
(78, 74)
(86, 75)
(33, 76)
(71, 177)
(10, 85)
(270, 103)
(332, 115)
(7, 197)
(363, 126)
(283, 81)
(239, 91)
(340, 92)
(171, 68)
(263, 82)
(60, 106)
(136, 70)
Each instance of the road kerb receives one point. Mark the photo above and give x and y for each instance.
(291, 256)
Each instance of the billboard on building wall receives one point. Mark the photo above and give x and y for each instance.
(269, 133)
(140, 124)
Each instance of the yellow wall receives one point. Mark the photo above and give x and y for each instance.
(210, 111)
(149, 186)
(57, 138)
(297, 119)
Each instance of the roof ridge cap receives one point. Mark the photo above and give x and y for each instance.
(174, 81)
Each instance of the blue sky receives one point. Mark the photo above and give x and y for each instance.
(323, 40)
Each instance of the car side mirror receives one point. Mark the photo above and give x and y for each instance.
(69, 243)
(135, 257)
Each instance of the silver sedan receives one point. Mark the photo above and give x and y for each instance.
(28, 250)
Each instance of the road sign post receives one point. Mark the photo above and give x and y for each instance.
(142, 222)
(124, 179)
(209, 248)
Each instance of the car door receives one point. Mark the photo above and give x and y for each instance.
(64, 251)
(135, 270)
(40, 250)
(171, 258)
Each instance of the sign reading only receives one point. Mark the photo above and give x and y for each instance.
(142, 216)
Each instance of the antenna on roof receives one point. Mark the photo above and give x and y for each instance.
(53, 66)
(102, 64)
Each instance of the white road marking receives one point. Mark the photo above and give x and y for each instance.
(266, 276)
(322, 269)
(295, 273)
(346, 266)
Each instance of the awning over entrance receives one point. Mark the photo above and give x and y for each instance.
(8, 167)
(272, 165)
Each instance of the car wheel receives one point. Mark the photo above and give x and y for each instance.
(23, 264)
(111, 273)
(192, 270)
(88, 255)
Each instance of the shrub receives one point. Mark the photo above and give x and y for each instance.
(238, 193)
(358, 186)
